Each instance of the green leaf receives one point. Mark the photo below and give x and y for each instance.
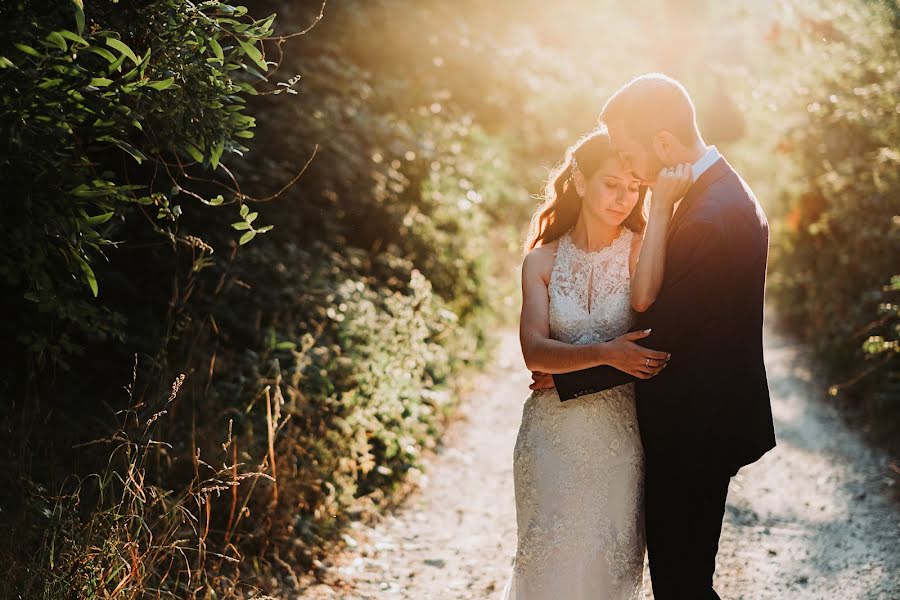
(145, 61)
(216, 153)
(253, 71)
(244, 134)
(84, 191)
(5, 63)
(117, 64)
(88, 273)
(255, 55)
(244, 210)
(102, 52)
(217, 49)
(28, 50)
(241, 225)
(162, 85)
(251, 217)
(134, 152)
(123, 48)
(99, 219)
(100, 81)
(265, 24)
(73, 37)
(264, 229)
(54, 38)
(217, 200)
(79, 15)
(247, 87)
(247, 237)
(133, 74)
(195, 152)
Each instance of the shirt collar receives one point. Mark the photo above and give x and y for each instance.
(704, 162)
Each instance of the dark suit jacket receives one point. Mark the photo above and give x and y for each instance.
(709, 410)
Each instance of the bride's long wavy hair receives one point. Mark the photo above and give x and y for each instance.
(561, 205)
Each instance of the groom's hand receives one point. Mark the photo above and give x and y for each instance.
(540, 381)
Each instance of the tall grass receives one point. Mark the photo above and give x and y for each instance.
(121, 533)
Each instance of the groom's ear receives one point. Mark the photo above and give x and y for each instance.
(664, 145)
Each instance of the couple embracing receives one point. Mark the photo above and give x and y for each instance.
(643, 332)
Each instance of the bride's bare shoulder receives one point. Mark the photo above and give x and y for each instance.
(539, 261)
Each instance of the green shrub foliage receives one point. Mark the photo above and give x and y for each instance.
(838, 232)
(106, 110)
(321, 354)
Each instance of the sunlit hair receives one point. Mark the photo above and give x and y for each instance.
(650, 103)
(561, 206)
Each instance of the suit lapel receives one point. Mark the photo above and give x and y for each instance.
(715, 172)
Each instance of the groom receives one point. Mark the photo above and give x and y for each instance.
(707, 414)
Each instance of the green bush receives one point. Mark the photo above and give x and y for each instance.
(364, 380)
(114, 117)
(322, 355)
(837, 230)
(106, 112)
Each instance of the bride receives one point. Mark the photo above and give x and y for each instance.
(578, 465)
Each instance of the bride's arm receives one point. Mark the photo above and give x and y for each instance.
(546, 355)
(647, 276)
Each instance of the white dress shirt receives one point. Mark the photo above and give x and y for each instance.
(699, 166)
(704, 162)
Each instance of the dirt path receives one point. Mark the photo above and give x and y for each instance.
(813, 519)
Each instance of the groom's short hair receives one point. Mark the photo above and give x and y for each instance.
(652, 102)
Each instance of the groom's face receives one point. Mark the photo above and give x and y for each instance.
(642, 161)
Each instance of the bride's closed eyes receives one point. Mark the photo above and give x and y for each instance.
(612, 182)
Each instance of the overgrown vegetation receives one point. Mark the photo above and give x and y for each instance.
(103, 122)
(835, 269)
(312, 367)
(314, 364)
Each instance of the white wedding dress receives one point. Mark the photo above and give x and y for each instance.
(579, 464)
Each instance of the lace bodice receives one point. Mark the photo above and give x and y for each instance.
(590, 292)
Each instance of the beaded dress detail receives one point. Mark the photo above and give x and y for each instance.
(579, 465)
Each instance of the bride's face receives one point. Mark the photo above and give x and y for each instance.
(611, 192)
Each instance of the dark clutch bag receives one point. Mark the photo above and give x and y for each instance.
(588, 381)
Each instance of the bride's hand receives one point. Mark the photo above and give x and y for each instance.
(671, 184)
(624, 354)
(540, 381)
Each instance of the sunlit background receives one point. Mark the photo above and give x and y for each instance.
(325, 355)
(454, 115)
